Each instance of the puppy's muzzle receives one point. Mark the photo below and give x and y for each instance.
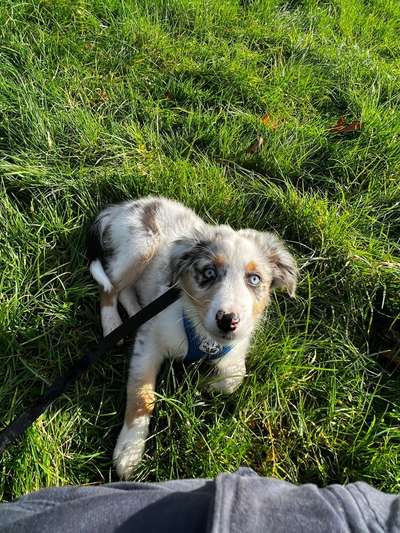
(227, 322)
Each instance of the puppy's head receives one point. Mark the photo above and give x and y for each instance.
(227, 277)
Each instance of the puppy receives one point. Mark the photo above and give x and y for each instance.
(137, 250)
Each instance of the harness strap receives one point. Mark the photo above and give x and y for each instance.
(26, 419)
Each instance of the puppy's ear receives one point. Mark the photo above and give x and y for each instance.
(181, 257)
(284, 269)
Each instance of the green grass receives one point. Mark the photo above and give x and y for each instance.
(106, 100)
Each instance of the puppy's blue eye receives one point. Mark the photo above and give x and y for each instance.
(254, 280)
(209, 273)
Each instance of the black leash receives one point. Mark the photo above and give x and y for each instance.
(22, 422)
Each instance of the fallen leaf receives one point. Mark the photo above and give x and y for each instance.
(339, 125)
(343, 128)
(266, 119)
(103, 96)
(256, 146)
(353, 126)
(269, 122)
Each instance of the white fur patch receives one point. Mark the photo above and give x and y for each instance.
(110, 319)
(129, 301)
(98, 273)
(130, 446)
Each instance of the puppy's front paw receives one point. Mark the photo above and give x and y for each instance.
(127, 459)
(226, 385)
(129, 449)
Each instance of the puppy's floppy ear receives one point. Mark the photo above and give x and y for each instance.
(284, 269)
(184, 252)
(181, 257)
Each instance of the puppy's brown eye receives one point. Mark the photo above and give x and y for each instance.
(209, 273)
(254, 280)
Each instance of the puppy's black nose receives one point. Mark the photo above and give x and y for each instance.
(227, 321)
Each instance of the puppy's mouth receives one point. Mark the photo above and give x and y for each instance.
(223, 338)
(228, 336)
(218, 336)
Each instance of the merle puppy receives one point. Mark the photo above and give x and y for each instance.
(137, 250)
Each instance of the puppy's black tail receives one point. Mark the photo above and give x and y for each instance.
(94, 245)
(95, 254)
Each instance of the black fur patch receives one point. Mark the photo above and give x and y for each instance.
(182, 263)
(203, 250)
(96, 247)
(203, 281)
(196, 251)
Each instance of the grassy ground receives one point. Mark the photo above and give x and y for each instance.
(106, 100)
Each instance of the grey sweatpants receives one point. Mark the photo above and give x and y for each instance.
(238, 502)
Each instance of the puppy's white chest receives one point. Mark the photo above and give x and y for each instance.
(172, 339)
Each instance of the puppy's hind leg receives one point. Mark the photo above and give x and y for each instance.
(127, 237)
(128, 300)
(110, 318)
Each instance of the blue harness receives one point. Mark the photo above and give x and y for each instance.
(201, 347)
